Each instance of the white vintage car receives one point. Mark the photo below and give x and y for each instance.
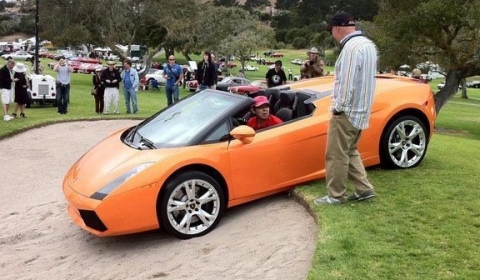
(250, 68)
(19, 55)
(297, 61)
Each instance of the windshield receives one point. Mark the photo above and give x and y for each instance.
(179, 124)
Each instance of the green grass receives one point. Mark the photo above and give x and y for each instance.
(423, 224)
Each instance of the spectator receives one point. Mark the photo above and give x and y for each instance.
(290, 73)
(98, 91)
(21, 89)
(6, 82)
(111, 80)
(173, 73)
(130, 81)
(206, 73)
(313, 66)
(261, 109)
(64, 72)
(352, 98)
(276, 76)
(241, 74)
(217, 69)
(417, 74)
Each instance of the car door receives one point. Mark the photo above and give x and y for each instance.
(278, 157)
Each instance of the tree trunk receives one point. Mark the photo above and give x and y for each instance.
(464, 88)
(452, 82)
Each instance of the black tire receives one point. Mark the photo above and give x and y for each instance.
(403, 143)
(200, 216)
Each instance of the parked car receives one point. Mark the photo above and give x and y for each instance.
(250, 68)
(19, 55)
(297, 61)
(268, 53)
(473, 84)
(89, 68)
(181, 168)
(251, 89)
(231, 81)
(153, 74)
(276, 55)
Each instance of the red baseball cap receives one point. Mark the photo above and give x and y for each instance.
(260, 100)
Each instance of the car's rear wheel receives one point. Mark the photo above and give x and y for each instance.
(404, 143)
(191, 205)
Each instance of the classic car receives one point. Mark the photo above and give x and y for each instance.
(231, 81)
(19, 55)
(153, 74)
(89, 68)
(183, 167)
(250, 68)
(250, 89)
(276, 55)
(297, 61)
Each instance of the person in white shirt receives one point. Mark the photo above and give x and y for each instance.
(353, 91)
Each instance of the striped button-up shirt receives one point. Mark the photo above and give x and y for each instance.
(354, 85)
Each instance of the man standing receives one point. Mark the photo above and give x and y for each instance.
(173, 73)
(353, 92)
(313, 66)
(276, 76)
(6, 87)
(111, 80)
(64, 72)
(130, 86)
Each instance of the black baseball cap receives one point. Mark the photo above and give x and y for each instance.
(341, 19)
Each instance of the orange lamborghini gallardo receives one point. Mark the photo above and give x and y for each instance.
(184, 166)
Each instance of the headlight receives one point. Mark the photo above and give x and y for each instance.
(103, 192)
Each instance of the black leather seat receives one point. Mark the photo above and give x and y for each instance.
(287, 100)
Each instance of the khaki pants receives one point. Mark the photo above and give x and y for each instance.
(343, 160)
(111, 96)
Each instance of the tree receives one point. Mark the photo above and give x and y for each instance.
(226, 3)
(443, 31)
(236, 32)
(286, 4)
(251, 5)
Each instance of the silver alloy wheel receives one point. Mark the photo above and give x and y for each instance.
(193, 207)
(407, 143)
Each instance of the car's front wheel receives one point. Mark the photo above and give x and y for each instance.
(191, 205)
(404, 143)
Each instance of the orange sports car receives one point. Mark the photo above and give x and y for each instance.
(183, 167)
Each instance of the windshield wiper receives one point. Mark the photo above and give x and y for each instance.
(147, 142)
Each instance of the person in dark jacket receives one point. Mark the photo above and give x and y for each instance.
(98, 91)
(6, 81)
(21, 87)
(111, 80)
(206, 73)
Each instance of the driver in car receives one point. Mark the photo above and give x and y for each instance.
(262, 118)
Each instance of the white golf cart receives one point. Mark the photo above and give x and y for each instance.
(42, 90)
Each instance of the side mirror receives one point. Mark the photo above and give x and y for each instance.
(244, 133)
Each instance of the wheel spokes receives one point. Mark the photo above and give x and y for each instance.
(193, 206)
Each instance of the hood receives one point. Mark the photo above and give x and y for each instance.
(107, 161)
